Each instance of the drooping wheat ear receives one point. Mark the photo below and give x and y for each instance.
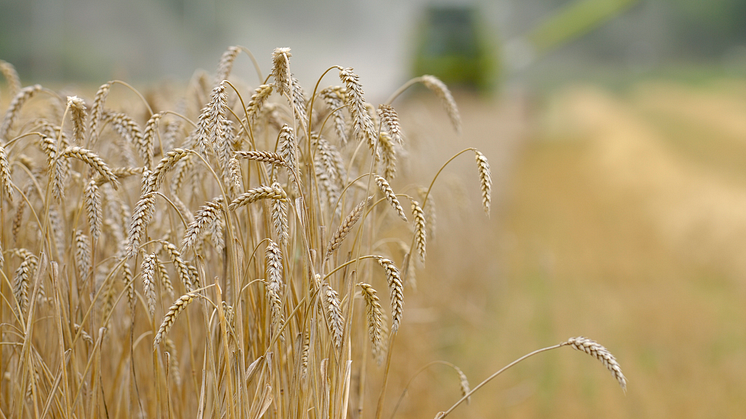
(299, 101)
(485, 180)
(173, 362)
(5, 177)
(441, 90)
(388, 152)
(345, 227)
(147, 271)
(388, 192)
(262, 192)
(280, 218)
(390, 119)
(274, 284)
(361, 121)
(15, 107)
(92, 200)
(205, 216)
(21, 282)
(330, 301)
(82, 255)
(11, 77)
(83, 334)
(334, 98)
(93, 160)
(173, 312)
(226, 63)
(167, 163)
(281, 70)
(182, 268)
(396, 289)
(254, 107)
(420, 230)
(329, 188)
(376, 324)
(119, 173)
(261, 156)
(329, 156)
(599, 352)
(144, 210)
(78, 114)
(147, 145)
(129, 282)
(463, 383)
(211, 120)
(96, 111)
(164, 277)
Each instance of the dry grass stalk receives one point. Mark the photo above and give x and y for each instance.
(15, 108)
(11, 77)
(173, 312)
(388, 192)
(263, 192)
(147, 271)
(441, 90)
(78, 113)
(420, 231)
(344, 227)
(376, 323)
(599, 352)
(396, 289)
(485, 180)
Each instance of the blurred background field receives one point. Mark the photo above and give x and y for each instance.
(619, 159)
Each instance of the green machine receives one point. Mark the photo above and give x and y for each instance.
(454, 44)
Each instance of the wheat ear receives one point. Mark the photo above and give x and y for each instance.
(376, 323)
(92, 200)
(263, 192)
(388, 192)
(15, 107)
(330, 300)
(203, 218)
(390, 119)
(78, 113)
(441, 90)
(147, 271)
(11, 77)
(5, 177)
(362, 123)
(396, 289)
(254, 107)
(173, 312)
(281, 70)
(599, 352)
(274, 283)
(93, 160)
(420, 231)
(226, 63)
(96, 111)
(345, 227)
(485, 180)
